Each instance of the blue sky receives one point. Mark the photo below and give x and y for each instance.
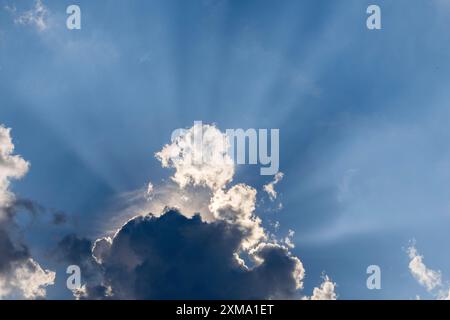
(363, 118)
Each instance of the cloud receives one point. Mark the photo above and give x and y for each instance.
(288, 239)
(11, 167)
(210, 244)
(36, 16)
(100, 249)
(150, 189)
(428, 278)
(326, 291)
(175, 257)
(270, 187)
(237, 206)
(72, 250)
(21, 276)
(200, 157)
(27, 280)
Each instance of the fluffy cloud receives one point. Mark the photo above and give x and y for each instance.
(27, 280)
(199, 156)
(11, 167)
(20, 275)
(237, 206)
(210, 245)
(326, 291)
(270, 187)
(429, 278)
(175, 257)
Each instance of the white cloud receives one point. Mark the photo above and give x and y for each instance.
(237, 206)
(428, 278)
(101, 248)
(11, 167)
(326, 291)
(28, 281)
(36, 16)
(205, 162)
(199, 161)
(270, 187)
(150, 190)
(32, 280)
(288, 239)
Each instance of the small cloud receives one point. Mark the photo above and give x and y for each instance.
(270, 187)
(150, 191)
(428, 278)
(149, 188)
(276, 225)
(288, 239)
(36, 16)
(326, 291)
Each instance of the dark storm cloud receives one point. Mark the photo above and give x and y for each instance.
(10, 251)
(12, 248)
(73, 250)
(174, 257)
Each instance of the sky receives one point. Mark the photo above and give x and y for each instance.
(363, 122)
